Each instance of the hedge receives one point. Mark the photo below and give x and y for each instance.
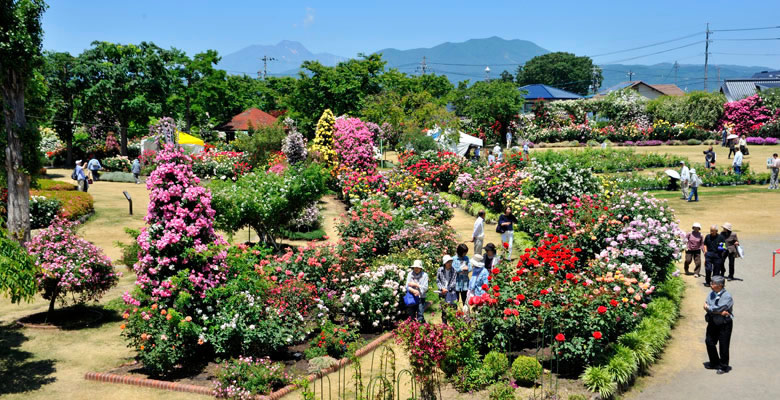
(49, 184)
(75, 204)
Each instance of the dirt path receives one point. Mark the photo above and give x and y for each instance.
(463, 223)
(679, 374)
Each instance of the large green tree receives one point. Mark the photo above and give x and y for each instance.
(65, 91)
(487, 102)
(562, 70)
(200, 90)
(342, 88)
(127, 84)
(21, 36)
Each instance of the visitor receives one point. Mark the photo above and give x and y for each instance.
(719, 307)
(498, 153)
(743, 145)
(685, 180)
(462, 264)
(506, 228)
(725, 133)
(94, 166)
(489, 258)
(526, 150)
(709, 158)
(694, 243)
(774, 167)
(445, 281)
(476, 153)
(81, 176)
(731, 245)
(478, 234)
(737, 163)
(417, 285)
(508, 139)
(479, 277)
(491, 158)
(695, 181)
(714, 252)
(732, 147)
(136, 169)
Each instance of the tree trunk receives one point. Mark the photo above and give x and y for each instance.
(51, 304)
(69, 148)
(18, 180)
(188, 115)
(123, 135)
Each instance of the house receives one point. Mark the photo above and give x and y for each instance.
(645, 89)
(546, 93)
(738, 89)
(252, 118)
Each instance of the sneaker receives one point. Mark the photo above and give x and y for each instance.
(708, 365)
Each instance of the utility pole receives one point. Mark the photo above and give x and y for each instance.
(676, 69)
(706, 54)
(423, 66)
(487, 73)
(630, 75)
(265, 60)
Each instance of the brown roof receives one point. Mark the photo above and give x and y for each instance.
(669, 89)
(254, 116)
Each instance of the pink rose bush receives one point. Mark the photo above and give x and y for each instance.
(746, 115)
(354, 144)
(70, 265)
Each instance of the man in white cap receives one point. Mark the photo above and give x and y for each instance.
(685, 180)
(445, 281)
(694, 182)
(731, 244)
(417, 285)
(719, 307)
(694, 241)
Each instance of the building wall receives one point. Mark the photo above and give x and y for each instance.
(648, 92)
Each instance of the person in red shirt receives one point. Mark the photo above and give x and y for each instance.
(694, 241)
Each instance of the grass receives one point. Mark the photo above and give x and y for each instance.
(317, 234)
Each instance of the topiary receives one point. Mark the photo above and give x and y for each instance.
(323, 139)
(526, 370)
(495, 364)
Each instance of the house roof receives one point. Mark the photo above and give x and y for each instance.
(254, 116)
(540, 91)
(669, 89)
(738, 89)
(631, 85)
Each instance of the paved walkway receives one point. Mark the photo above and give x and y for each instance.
(754, 355)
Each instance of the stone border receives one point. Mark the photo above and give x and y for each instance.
(183, 387)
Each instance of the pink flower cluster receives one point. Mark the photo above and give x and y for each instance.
(354, 144)
(70, 264)
(747, 114)
(180, 230)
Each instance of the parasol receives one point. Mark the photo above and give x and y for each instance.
(672, 173)
(732, 136)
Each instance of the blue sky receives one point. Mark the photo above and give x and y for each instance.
(348, 27)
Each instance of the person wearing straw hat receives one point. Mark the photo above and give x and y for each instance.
(417, 285)
(694, 241)
(731, 244)
(719, 308)
(445, 281)
(685, 180)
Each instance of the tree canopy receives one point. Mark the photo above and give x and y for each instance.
(488, 102)
(561, 70)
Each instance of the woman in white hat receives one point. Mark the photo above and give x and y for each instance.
(445, 281)
(417, 285)
(694, 183)
(693, 249)
(479, 276)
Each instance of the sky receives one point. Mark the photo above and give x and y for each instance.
(346, 28)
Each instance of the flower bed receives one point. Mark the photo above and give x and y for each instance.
(75, 204)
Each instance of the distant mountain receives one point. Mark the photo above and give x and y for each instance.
(288, 57)
(465, 60)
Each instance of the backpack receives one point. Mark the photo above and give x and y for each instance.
(73, 175)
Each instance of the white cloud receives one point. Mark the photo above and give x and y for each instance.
(309, 18)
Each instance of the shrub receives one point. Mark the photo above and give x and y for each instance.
(117, 177)
(526, 370)
(501, 391)
(693, 142)
(373, 300)
(318, 364)
(495, 364)
(247, 377)
(368, 226)
(258, 145)
(129, 251)
(43, 211)
(294, 146)
(426, 344)
(70, 267)
(117, 164)
(599, 380)
(48, 184)
(75, 204)
(354, 144)
(746, 115)
(331, 341)
(558, 182)
(17, 271)
(323, 139)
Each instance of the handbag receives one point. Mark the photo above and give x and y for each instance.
(741, 252)
(451, 297)
(410, 299)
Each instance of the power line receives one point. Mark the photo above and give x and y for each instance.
(745, 29)
(747, 54)
(741, 40)
(657, 52)
(648, 45)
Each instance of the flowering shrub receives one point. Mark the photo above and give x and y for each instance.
(246, 377)
(177, 265)
(294, 146)
(307, 219)
(43, 211)
(165, 129)
(762, 141)
(493, 185)
(75, 204)
(373, 300)
(426, 344)
(359, 185)
(557, 182)
(112, 146)
(367, 228)
(354, 144)
(328, 266)
(70, 265)
(118, 163)
(434, 240)
(323, 139)
(331, 341)
(746, 116)
(224, 165)
(438, 169)
(50, 143)
(420, 204)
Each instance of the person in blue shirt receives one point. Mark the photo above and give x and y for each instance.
(479, 276)
(719, 307)
(462, 266)
(94, 166)
(81, 176)
(417, 284)
(506, 223)
(526, 150)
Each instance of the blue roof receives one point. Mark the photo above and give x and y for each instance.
(539, 91)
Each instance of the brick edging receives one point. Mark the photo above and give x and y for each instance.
(183, 387)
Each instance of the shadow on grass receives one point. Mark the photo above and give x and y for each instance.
(73, 318)
(18, 372)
